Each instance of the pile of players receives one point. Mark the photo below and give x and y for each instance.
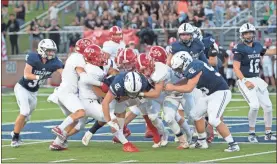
(102, 83)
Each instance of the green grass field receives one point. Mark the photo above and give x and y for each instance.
(37, 150)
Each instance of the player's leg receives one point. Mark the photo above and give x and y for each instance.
(152, 108)
(170, 107)
(251, 97)
(217, 103)
(266, 104)
(22, 98)
(74, 105)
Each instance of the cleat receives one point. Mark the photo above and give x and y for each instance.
(269, 137)
(183, 146)
(164, 138)
(57, 131)
(156, 145)
(86, 138)
(15, 143)
(58, 147)
(129, 147)
(19, 139)
(198, 145)
(176, 139)
(252, 138)
(232, 147)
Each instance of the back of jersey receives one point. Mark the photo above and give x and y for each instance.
(69, 76)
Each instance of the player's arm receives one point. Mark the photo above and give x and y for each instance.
(105, 105)
(186, 88)
(98, 91)
(60, 71)
(168, 60)
(236, 67)
(86, 79)
(28, 73)
(154, 93)
(270, 51)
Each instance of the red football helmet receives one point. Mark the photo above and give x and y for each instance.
(171, 40)
(125, 59)
(116, 34)
(145, 64)
(267, 42)
(158, 54)
(81, 45)
(93, 54)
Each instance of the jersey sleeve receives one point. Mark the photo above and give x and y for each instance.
(193, 70)
(31, 59)
(108, 48)
(59, 64)
(79, 61)
(203, 57)
(237, 54)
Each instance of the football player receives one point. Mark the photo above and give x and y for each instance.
(160, 74)
(216, 96)
(115, 44)
(247, 55)
(39, 66)
(230, 74)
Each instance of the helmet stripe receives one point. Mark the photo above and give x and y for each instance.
(247, 26)
(124, 55)
(134, 88)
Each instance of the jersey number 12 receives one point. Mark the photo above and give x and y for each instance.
(254, 66)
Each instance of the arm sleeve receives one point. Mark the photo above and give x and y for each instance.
(86, 79)
(107, 48)
(237, 55)
(203, 57)
(30, 59)
(79, 61)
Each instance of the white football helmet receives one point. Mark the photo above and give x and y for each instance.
(186, 28)
(180, 61)
(132, 84)
(197, 33)
(47, 48)
(247, 27)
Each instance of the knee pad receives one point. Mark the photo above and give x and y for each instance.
(169, 118)
(135, 110)
(25, 113)
(254, 106)
(214, 122)
(194, 116)
(28, 118)
(153, 117)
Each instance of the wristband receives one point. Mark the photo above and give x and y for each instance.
(37, 77)
(243, 80)
(141, 94)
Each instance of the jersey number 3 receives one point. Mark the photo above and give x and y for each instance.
(35, 82)
(254, 66)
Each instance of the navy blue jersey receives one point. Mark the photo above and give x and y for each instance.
(117, 85)
(249, 58)
(210, 81)
(208, 42)
(35, 60)
(196, 49)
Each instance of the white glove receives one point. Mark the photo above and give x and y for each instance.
(113, 125)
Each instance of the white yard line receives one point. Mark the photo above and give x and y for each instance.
(6, 159)
(130, 161)
(240, 156)
(29, 143)
(41, 109)
(64, 160)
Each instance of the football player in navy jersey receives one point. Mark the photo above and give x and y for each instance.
(39, 67)
(247, 55)
(216, 96)
(188, 43)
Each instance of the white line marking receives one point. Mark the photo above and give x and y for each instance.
(64, 160)
(40, 109)
(240, 156)
(29, 143)
(130, 161)
(5, 159)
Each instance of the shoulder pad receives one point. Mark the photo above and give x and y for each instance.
(32, 58)
(160, 72)
(193, 69)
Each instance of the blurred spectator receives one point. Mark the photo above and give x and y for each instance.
(73, 38)
(101, 7)
(98, 24)
(42, 27)
(155, 8)
(182, 7)
(207, 24)
(272, 23)
(146, 35)
(199, 15)
(80, 16)
(3, 27)
(20, 13)
(105, 20)
(38, 4)
(53, 11)
(13, 26)
(34, 32)
(135, 9)
(155, 23)
(90, 21)
(5, 5)
(232, 11)
(219, 12)
(54, 36)
(208, 10)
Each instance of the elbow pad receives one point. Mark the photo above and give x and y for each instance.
(86, 79)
